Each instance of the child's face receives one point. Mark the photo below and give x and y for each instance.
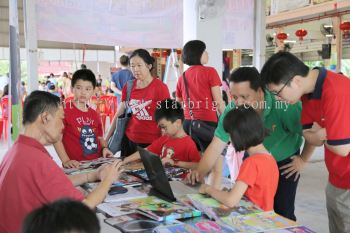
(169, 128)
(83, 90)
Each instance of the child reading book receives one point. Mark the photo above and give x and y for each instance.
(258, 175)
(82, 134)
(175, 147)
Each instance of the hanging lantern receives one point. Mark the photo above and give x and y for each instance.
(281, 36)
(301, 33)
(155, 54)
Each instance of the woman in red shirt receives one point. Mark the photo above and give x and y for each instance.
(146, 92)
(203, 84)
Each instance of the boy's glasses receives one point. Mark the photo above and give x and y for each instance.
(277, 93)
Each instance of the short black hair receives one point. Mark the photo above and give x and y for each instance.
(281, 67)
(124, 60)
(192, 52)
(245, 127)
(84, 74)
(62, 216)
(144, 55)
(38, 102)
(169, 110)
(83, 66)
(250, 74)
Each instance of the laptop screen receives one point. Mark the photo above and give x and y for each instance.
(156, 174)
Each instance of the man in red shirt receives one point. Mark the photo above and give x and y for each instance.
(30, 178)
(325, 117)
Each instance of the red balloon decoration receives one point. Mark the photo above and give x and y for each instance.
(282, 36)
(301, 33)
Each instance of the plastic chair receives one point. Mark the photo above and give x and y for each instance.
(4, 103)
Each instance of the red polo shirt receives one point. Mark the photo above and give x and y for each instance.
(329, 106)
(29, 178)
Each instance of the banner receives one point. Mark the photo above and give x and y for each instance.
(136, 23)
(131, 23)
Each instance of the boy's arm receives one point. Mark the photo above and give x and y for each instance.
(187, 165)
(105, 151)
(135, 156)
(229, 199)
(62, 154)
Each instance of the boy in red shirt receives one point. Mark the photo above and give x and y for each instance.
(82, 134)
(175, 147)
(258, 175)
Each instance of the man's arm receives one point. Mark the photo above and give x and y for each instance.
(341, 150)
(208, 160)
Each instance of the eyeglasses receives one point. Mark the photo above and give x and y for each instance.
(279, 92)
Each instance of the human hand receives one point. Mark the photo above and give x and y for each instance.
(193, 177)
(293, 167)
(106, 152)
(71, 164)
(111, 171)
(203, 189)
(167, 161)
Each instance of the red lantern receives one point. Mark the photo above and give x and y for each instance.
(345, 26)
(281, 36)
(301, 33)
(155, 54)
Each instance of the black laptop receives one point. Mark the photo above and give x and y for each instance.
(156, 175)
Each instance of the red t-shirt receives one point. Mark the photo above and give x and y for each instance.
(329, 106)
(260, 173)
(200, 80)
(142, 127)
(81, 133)
(29, 178)
(178, 149)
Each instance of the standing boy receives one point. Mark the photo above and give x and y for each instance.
(325, 118)
(82, 134)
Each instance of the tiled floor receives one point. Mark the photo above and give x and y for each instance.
(310, 200)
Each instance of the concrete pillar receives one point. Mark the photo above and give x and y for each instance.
(206, 28)
(30, 34)
(259, 34)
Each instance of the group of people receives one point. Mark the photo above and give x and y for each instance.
(265, 119)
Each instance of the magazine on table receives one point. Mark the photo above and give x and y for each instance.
(198, 227)
(161, 210)
(214, 209)
(258, 222)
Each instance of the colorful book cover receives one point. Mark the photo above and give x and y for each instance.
(298, 229)
(128, 180)
(257, 222)
(199, 227)
(114, 209)
(161, 210)
(214, 209)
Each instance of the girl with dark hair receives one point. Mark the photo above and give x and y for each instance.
(202, 99)
(146, 92)
(258, 175)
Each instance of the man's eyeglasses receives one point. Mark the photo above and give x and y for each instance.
(279, 92)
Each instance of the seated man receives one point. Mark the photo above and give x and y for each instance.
(30, 178)
(60, 217)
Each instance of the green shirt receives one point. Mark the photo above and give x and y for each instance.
(283, 122)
